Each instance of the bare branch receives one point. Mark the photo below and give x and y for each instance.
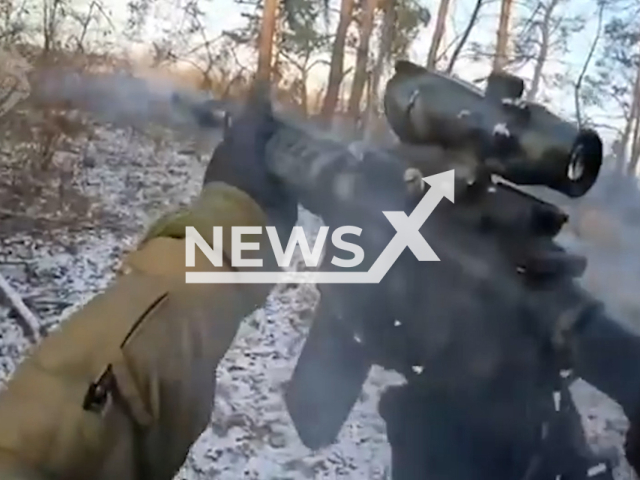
(32, 324)
(587, 61)
(106, 16)
(465, 36)
(85, 25)
(289, 58)
(444, 52)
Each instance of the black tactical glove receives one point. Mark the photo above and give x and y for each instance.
(240, 160)
(632, 443)
(601, 350)
(607, 355)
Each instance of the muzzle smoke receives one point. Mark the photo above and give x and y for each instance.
(124, 100)
(605, 227)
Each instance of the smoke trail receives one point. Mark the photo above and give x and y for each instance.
(604, 226)
(125, 100)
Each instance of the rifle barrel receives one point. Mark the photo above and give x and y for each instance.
(331, 181)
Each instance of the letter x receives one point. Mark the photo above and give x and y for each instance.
(408, 227)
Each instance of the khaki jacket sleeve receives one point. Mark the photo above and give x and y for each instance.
(124, 387)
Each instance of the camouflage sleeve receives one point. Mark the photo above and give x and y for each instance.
(126, 384)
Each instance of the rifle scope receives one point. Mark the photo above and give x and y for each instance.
(522, 142)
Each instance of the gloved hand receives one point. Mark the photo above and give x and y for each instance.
(599, 349)
(632, 444)
(240, 160)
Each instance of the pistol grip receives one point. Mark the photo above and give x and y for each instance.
(326, 381)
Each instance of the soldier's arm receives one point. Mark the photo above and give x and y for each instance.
(126, 385)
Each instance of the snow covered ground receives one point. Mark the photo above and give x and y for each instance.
(251, 436)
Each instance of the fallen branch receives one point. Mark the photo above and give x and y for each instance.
(31, 324)
(14, 214)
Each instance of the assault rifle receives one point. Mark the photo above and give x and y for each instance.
(474, 327)
(484, 329)
(438, 322)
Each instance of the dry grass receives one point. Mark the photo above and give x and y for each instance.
(37, 180)
(42, 140)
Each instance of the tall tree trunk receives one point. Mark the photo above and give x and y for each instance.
(502, 38)
(621, 154)
(545, 37)
(438, 33)
(635, 137)
(362, 56)
(633, 115)
(304, 93)
(635, 148)
(49, 24)
(265, 46)
(384, 51)
(336, 72)
(585, 66)
(45, 26)
(465, 36)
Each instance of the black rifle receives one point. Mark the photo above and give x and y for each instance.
(484, 326)
(496, 244)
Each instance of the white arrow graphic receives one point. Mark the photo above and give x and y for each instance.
(407, 235)
(408, 228)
